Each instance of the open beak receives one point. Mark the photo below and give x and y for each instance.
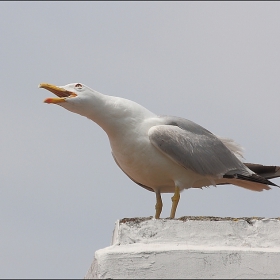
(61, 93)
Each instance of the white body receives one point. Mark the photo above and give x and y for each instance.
(160, 152)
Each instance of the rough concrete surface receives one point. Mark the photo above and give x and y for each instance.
(191, 247)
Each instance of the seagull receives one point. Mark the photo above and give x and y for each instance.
(163, 154)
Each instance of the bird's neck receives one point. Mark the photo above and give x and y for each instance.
(116, 115)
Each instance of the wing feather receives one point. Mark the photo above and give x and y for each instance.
(195, 148)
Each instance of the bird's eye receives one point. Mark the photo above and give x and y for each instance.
(78, 86)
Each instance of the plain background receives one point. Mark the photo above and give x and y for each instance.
(215, 63)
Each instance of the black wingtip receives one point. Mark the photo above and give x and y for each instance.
(265, 171)
(253, 178)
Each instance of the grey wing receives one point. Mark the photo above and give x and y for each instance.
(195, 148)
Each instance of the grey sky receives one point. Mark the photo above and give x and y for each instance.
(215, 63)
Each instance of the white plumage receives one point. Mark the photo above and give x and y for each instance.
(163, 153)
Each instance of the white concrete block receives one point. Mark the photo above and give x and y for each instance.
(191, 247)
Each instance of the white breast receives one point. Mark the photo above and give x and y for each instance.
(145, 164)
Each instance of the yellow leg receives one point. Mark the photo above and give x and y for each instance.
(158, 205)
(175, 199)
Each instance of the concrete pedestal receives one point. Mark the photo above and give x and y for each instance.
(191, 247)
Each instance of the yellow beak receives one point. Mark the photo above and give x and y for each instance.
(62, 93)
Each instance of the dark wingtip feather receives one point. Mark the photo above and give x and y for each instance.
(265, 171)
(253, 178)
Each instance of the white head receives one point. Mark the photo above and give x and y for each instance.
(75, 97)
(109, 112)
